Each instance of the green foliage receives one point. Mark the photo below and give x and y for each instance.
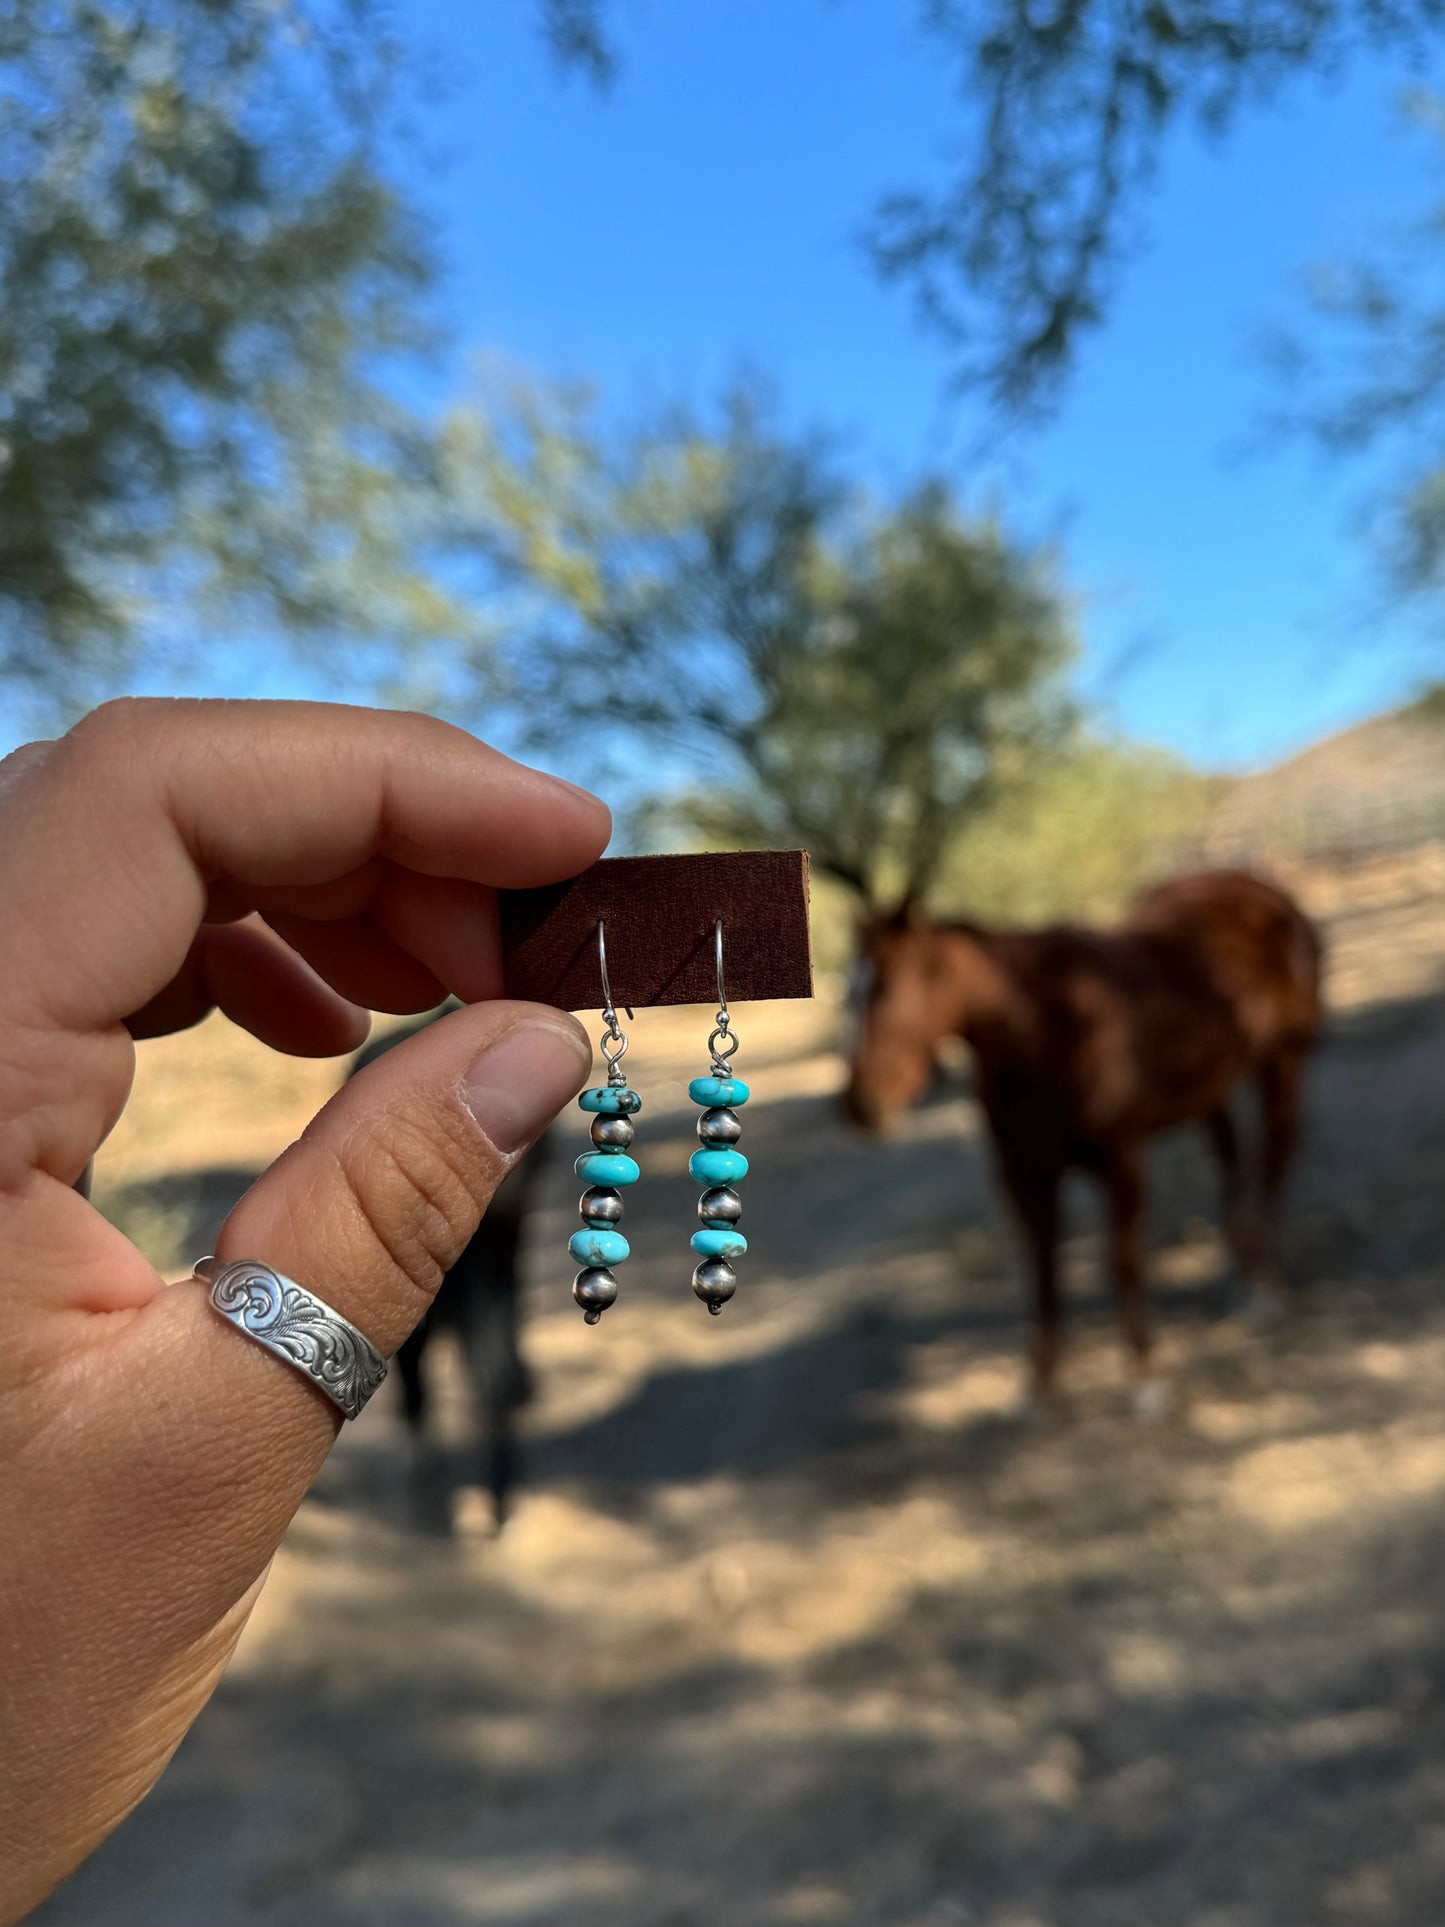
(826, 672)
(1074, 836)
(201, 264)
(1429, 705)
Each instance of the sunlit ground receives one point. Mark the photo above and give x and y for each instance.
(801, 1618)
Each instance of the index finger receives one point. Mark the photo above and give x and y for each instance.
(113, 836)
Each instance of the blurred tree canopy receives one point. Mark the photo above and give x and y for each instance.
(576, 33)
(202, 264)
(786, 662)
(1073, 836)
(1066, 104)
(1078, 835)
(1368, 375)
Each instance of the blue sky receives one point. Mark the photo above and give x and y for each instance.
(705, 213)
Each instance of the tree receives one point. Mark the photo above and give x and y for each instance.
(202, 268)
(575, 32)
(1066, 105)
(1367, 376)
(1078, 835)
(791, 663)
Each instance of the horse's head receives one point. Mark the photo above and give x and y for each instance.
(905, 1003)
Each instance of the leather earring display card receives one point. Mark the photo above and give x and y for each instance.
(660, 914)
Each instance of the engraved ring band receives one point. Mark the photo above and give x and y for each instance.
(298, 1327)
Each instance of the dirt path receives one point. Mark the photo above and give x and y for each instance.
(799, 1621)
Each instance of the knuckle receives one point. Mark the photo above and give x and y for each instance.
(22, 763)
(122, 734)
(131, 725)
(121, 719)
(419, 1191)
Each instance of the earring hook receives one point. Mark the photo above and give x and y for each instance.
(724, 1040)
(608, 1009)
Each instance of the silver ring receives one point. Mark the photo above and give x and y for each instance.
(298, 1327)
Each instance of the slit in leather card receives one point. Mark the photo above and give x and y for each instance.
(660, 913)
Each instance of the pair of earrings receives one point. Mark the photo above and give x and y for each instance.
(608, 1169)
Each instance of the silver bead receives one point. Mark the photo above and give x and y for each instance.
(719, 1127)
(594, 1289)
(600, 1205)
(721, 1202)
(613, 1133)
(714, 1281)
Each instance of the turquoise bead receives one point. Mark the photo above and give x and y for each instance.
(726, 1243)
(607, 1167)
(713, 1166)
(615, 1103)
(599, 1247)
(712, 1091)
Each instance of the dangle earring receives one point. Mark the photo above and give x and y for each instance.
(607, 1168)
(719, 1164)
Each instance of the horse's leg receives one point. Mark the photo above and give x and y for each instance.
(1035, 1194)
(513, 1385)
(1281, 1084)
(490, 1338)
(519, 1386)
(1124, 1186)
(413, 1385)
(1239, 1208)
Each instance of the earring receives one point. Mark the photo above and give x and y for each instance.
(606, 1168)
(718, 1165)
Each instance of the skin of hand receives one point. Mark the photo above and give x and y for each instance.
(295, 865)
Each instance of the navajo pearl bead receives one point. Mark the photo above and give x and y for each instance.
(613, 1133)
(720, 1205)
(594, 1289)
(719, 1127)
(714, 1281)
(600, 1205)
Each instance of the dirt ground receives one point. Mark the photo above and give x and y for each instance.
(801, 1619)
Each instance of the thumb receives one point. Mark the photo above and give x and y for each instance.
(376, 1200)
(182, 1447)
(367, 1210)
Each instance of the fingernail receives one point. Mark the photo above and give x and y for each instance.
(588, 796)
(518, 1085)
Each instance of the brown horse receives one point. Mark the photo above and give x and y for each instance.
(1088, 1042)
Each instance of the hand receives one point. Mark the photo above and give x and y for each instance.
(295, 864)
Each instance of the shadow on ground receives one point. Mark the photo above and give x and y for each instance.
(804, 1621)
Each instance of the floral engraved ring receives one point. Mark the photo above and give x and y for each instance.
(298, 1327)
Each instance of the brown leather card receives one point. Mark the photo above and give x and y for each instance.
(660, 913)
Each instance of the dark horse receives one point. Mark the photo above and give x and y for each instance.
(480, 1301)
(1088, 1042)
